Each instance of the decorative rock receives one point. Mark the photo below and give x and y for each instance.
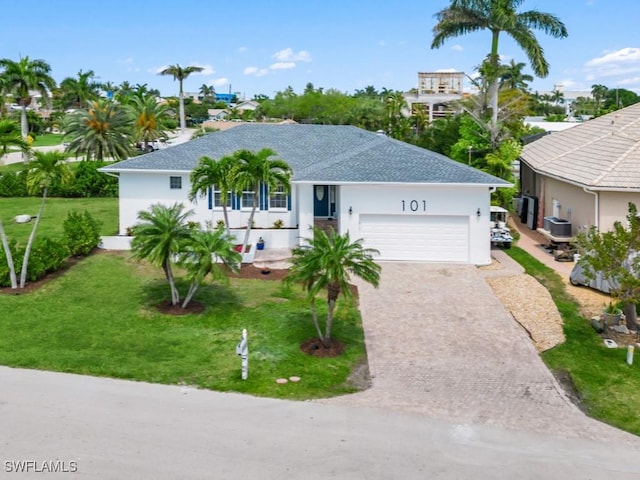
(22, 218)
(282, 381)
(620, 329)
(597, 324)
(610, 343)
(294, 379)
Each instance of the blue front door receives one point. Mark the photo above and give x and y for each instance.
(320, 200)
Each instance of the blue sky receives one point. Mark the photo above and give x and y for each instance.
(261, 47)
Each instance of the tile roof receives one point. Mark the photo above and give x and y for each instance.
(319, 153)
(602, 153)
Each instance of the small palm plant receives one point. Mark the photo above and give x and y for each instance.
(327, 263)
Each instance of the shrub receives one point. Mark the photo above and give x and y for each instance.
(81, 233)
(13, 184)
(47, 255)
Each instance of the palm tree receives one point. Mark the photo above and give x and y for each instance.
(599, 93)
(468, 16)
(10, 137)
(43, 170)
(328, 262)
(151, 119)
(207, 92)
(211, 172)
(557, 97)
(512, 76)
(181, 73)
(76, 92)
(254, 169)
(21, 78)
(160, 236)
(103, 130)
(201, 254)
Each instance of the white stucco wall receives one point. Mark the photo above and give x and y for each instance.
(430, 200)
(138, 191)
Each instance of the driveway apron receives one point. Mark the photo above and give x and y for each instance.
(441, 344)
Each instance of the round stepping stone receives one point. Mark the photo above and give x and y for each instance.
(294, 379)
(281, 381)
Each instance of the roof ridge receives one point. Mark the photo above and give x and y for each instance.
(339, 158)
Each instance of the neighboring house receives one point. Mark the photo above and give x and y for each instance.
(408, 202)
(587, 174)
(436, 94)
(247, 105)
(217, 114)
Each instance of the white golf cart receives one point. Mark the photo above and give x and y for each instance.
(500, 233)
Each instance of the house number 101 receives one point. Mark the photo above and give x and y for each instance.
(414, 205)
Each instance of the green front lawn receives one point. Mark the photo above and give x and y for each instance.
(609, 388)
(104, 210)
(100, 318)
(47, 140)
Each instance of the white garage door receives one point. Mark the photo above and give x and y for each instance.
(432, 238)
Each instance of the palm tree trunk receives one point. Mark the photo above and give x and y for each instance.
(327, 335)
(175, 295)
(314, 315)
(183, 121)
(7, 254)
(225, 214)
(250, 222)
(27, 251)
(192, 290)
(24, 126)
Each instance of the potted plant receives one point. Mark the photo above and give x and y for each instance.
(260, 243)
(611, 314)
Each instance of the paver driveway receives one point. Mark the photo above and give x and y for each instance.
(440, 343)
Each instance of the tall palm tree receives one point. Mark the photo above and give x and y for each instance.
(497, 16)
(210, 172)
(21, 78)
(10, 136)
(104, 129)
(254, 169)
(180, 74)
(150, 119)
(327, 263)
(512, 76)
(201, 256)
(160, 236)
(76, 92)
(43, 170)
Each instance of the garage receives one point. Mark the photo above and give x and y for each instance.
(431, 238)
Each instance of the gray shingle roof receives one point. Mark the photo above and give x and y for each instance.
(319, 153)
(603, 153)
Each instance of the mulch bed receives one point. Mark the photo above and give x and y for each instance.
(315, 347)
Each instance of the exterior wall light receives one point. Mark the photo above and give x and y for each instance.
(350, 210)
(478, 213)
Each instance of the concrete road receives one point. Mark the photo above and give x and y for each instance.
(104, 428)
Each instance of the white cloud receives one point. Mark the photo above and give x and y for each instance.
(207, 69)
(382, 43)
(457, 48)
(624, 55)
(242, 49)
(288, 55)
(220, 82)
(255, 71)
(282, 66)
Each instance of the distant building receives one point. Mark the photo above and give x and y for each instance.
(435, 93)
